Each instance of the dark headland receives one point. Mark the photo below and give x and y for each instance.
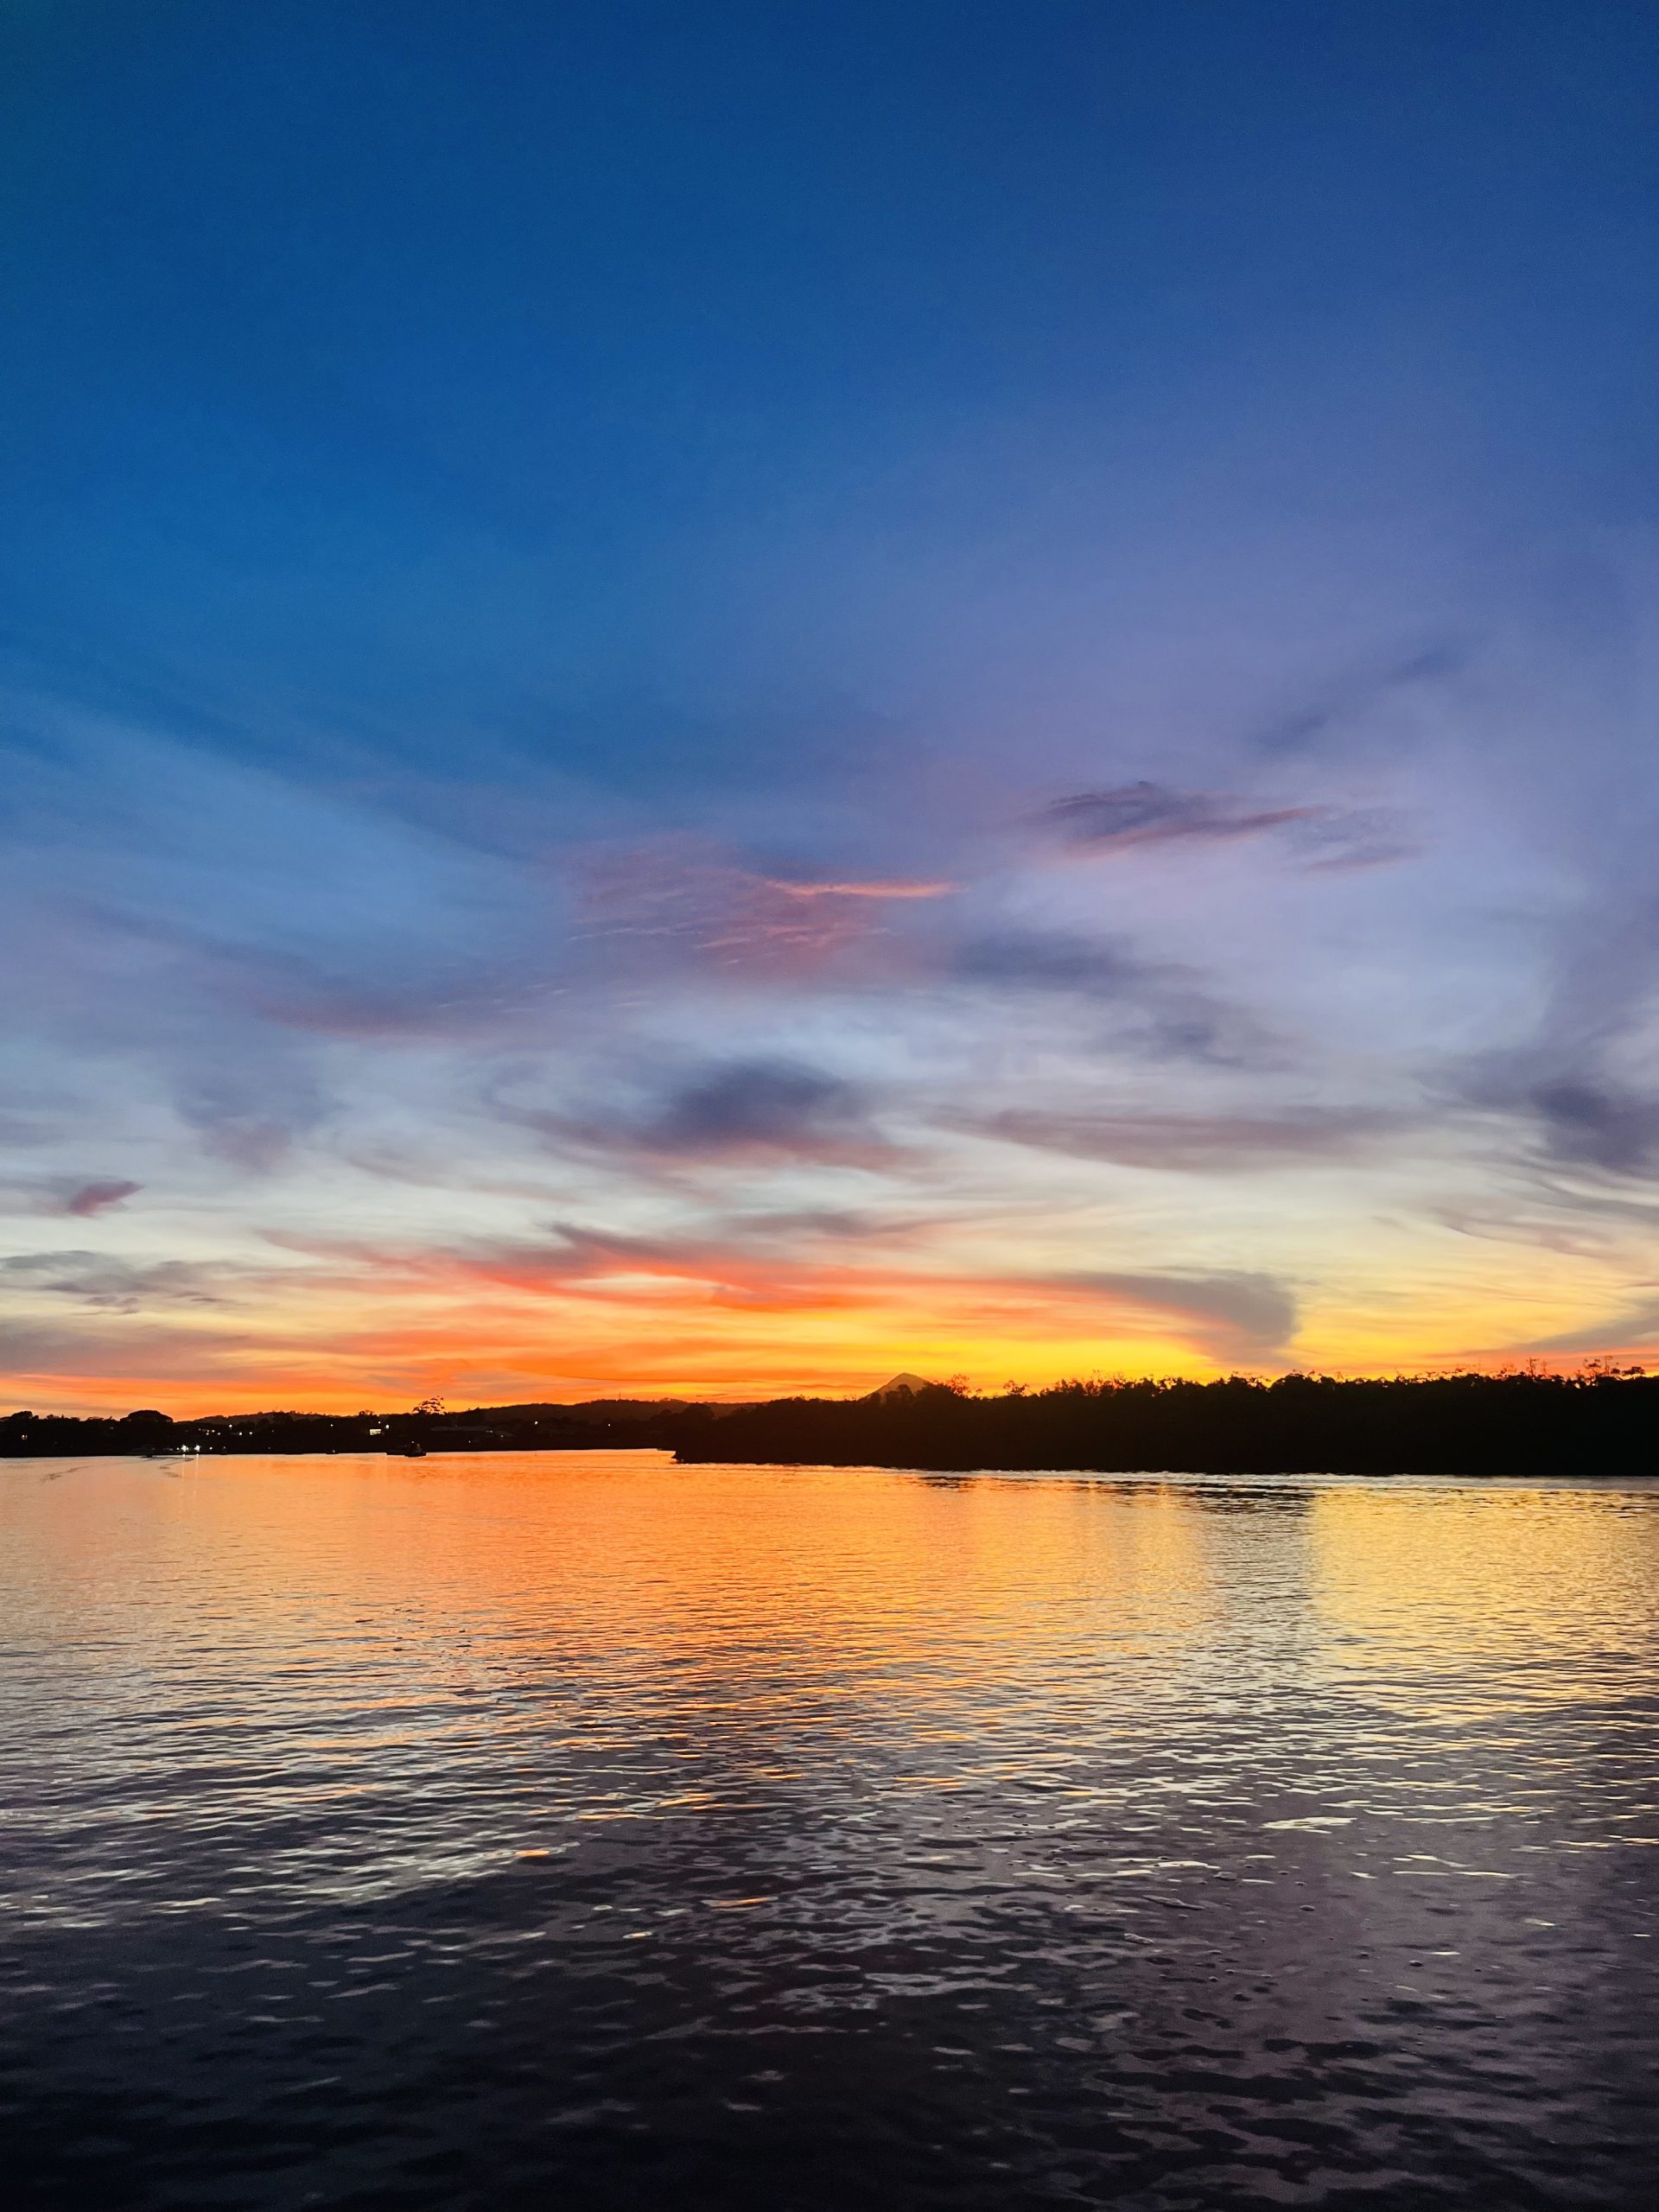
(1601, 1421)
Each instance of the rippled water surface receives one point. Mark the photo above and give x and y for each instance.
(583, 1830)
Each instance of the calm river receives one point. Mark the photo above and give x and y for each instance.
(584, 1831)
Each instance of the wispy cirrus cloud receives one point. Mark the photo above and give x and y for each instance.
(1235, 1313)
(1223, 1314)
(98, 1280)
(70, 1197)
(1334, 716)
(250, 1115)
(672, 901)
(1127, 815)
(1193, 1144)
(1169, 1008)
(571, 1261)
(1593, 1124)
(1584, 1085)
(742, 1109)
(1632, 1327)
(1127, 818)
(110, 1360)
(89, 1199)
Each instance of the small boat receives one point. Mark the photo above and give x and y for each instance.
(414, 1451)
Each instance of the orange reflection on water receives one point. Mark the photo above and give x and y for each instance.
(631, 1765)
(748, 1602)
(770, 1605)
(1416, 1582)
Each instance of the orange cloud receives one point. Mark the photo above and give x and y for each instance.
(668, 900)
(581, 1314)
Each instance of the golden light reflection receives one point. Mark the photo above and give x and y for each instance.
(1412, 1580)
(754, 1602)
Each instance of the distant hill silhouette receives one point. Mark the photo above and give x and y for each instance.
(614, 1409)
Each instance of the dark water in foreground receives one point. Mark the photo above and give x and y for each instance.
(590, 1832)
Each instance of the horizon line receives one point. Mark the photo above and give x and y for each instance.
(1606, 1365)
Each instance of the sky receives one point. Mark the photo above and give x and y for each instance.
(708, 701)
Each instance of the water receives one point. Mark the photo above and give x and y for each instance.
(584, 1831)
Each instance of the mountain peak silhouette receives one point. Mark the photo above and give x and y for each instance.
(902, 1386)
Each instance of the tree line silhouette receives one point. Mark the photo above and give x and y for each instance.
(1603, 1421)
(425, 1427)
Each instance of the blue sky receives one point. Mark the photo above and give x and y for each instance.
(721, 699)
